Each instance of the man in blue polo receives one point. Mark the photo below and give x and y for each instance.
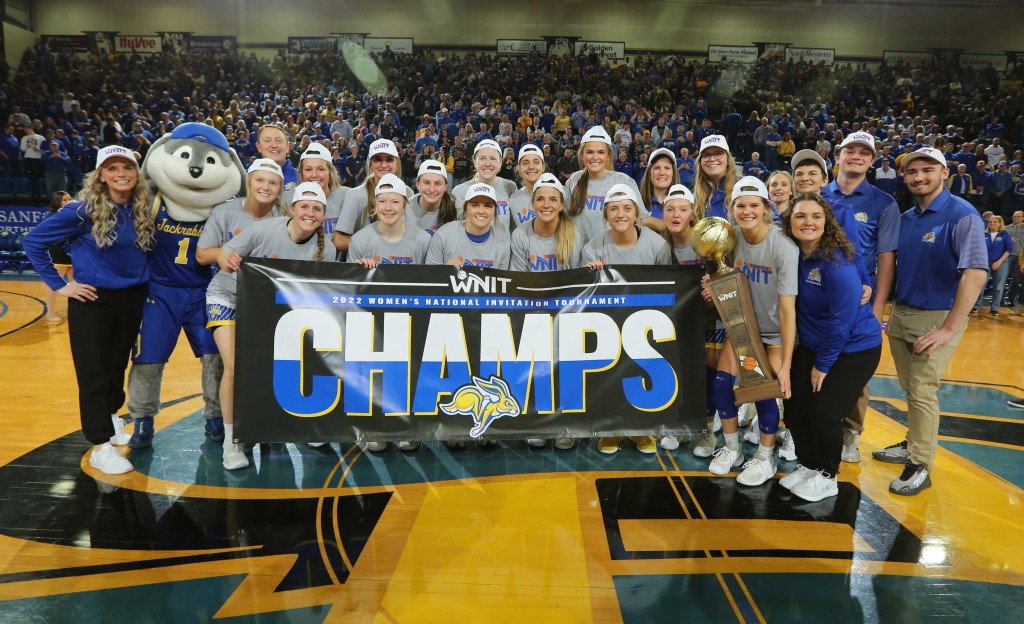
(877, 218)
(943, 266)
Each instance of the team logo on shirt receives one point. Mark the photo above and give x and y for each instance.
(486, 400)
(547, 262)
(814, 277)
(929, 237)
(392, 260)
(861, 217)
(525, 215)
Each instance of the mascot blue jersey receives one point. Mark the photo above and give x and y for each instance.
(173, 261)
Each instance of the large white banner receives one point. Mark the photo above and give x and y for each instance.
(739, 54)
(915, 59)
(604, 49)
(522, 46)
(137, 43)
(982, 61)
(813, 56)
(398, 45)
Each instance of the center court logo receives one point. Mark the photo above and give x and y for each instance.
(486, 400)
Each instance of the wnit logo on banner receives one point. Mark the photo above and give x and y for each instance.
(411, 351)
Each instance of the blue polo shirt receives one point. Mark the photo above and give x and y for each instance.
(756, 169)
(686, 175)
(935, 246)
(876, 217)
(998, 245)
(829, 317)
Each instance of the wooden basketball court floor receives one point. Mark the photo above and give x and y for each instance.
(512, 534)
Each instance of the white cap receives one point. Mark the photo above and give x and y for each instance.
(619, 192)
(315, 150)
(390, 183)
(481, 190)
(309, 190)
(548, 180)
(115, 151)
(662, 151)
(530, 149)
(267, 165)
(924, 152)
(749, 186)
(805, 155)
(598, 134)
(431, 166)
(863, 138)
(678, 191)
(714, 140)
(382, 146)
(487, 144)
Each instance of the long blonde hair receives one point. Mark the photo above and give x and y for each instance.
(704, 188)
(565, 232)
(578, 201)
(103, 212)
(333, 179)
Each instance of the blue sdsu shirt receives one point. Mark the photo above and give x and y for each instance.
(877, 219)
(172, 262)
(935, 246)
(829, 317)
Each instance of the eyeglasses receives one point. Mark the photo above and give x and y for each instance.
(713, 156)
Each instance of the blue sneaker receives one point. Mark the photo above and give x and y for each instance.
(215, 428)
(142, 437)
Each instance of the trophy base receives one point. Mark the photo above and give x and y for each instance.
(758, 392)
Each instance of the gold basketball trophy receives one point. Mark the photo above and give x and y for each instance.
(713, 239)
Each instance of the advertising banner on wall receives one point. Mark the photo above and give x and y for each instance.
(770, 50)
(984, 61)
(101, 42)
(213, 43)
(561, 45)
(522, 46)
(20, 219)
(398, 45)
(604, 49)
(147, 44)
(312, 45)
(736, 54)
(71, 43)
(335, 352)
(914, 59)
(811, 56)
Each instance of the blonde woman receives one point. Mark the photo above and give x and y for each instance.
(109, 230)
(715, 178)
(487, 166)
(357, 209)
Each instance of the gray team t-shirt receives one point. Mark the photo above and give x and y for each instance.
(771, 269)
(531, 252)
(520, 207)
(227, 221)
(419, 217)
(451, 241)
(503, 189)
(597, 189)
(354, 214)
(649, 248)
(410, 249)
(265, 239)
(685, 255)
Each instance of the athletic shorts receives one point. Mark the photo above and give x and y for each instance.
(169, 310)
(219, 315)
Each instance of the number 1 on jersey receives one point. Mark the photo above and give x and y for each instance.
(182, 257)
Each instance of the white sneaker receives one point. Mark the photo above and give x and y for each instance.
(376, 447)
(407, 445)
(753, 433)
(787, 448)
(107, 460)
(234, 456)
(669, 442)
(797, 477)
(316, 444)
(850, 452)
(706, 444)
(756, 471)
(818, 487)
(725, 460)
(120, 438)
(716, 424)
(537, 442)
(746, 412)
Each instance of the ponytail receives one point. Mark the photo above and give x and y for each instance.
(320, 243)
(565, 239)
(578, 201)
(446, 211)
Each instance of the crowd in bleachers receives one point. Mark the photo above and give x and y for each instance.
(61, 108)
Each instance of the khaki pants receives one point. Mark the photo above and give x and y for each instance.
(855, 419)
(919, 375)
